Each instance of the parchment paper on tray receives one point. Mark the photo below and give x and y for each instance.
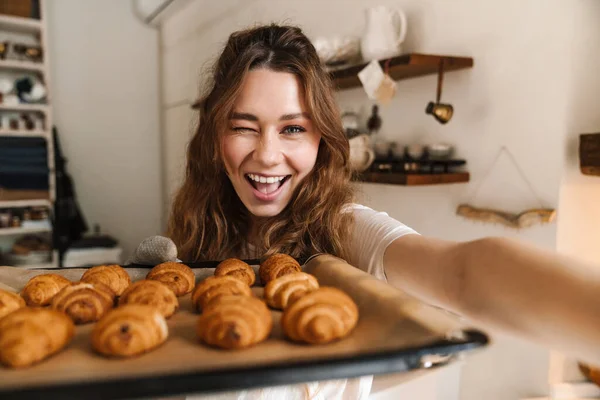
(395, 333)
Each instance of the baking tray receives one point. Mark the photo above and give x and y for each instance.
(395, 333)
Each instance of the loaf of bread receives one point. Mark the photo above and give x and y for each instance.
(234, 322)
(10, 302)
(321, 316)
(129, 330)
(288, 288)
(277, 265)
(113, 276)
(177, 276)
(84, 302)
(238, 269)
(152, 293)
(215, 286)
(40, 289)
(29, 335)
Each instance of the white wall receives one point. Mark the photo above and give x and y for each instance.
(104, 70)
(514, 96)
(579, 227)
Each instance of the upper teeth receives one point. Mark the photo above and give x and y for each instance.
(266, 179)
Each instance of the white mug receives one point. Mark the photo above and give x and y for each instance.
(361, 154)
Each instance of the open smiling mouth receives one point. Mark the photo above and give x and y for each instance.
(267, 184)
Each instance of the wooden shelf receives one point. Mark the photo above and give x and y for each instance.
(394, 178)
(19, 24)
(25, 203)
(589, 154)
(22, 231)
(403, 67)
(16, 132)
(17, 65)
(25, 107)
(24, 195)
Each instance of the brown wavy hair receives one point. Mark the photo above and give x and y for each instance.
(208, 221)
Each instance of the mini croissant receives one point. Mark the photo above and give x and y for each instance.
(30, 335)
(84, 302)
(152, 293)
(40, 289)
(129, 330)
(277, 265)
(234, 322)
(178, 277)
(237, 269)
(113, 276)
(322, 316)
(215, 286)
(287, 288)
(10, 302)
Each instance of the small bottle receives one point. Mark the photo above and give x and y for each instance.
(374, 122)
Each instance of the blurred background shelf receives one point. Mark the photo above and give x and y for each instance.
(24, 133)
(23, 231)
(25, 203)
(395, 178)
(405, 66)
(16, 65)
(25, 107)
(20, 24)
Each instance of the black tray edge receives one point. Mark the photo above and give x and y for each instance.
(246, 378)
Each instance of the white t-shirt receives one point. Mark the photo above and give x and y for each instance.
(372, 234)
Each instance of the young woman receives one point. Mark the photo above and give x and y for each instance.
(267, 171)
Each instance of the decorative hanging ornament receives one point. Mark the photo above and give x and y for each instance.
(524, 219)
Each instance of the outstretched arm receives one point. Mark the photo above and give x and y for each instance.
(501, 284)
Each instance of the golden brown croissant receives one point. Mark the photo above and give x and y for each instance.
(40, 289)
(237, 269)
(234, 322)
(321, 316)
(29, 335)
(215, 286)
(10, 302)
(288, 288)
(277, 265)
(178, 277)
(84, 302)
(152, 293)
(129, 330)
(113, 276)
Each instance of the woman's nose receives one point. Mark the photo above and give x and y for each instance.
(268, 151)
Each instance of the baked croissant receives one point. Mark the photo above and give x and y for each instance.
(29, 335)
(287, 288)
(40, 289)
(113, 276)
(152, 293)
(84, 302)
(277, 265)
(237, 269)
(10, 302)
(321, 316)
(215, 286)
(235, 322)
(129, 330)
(178, 277)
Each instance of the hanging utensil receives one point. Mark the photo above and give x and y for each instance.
(441, 112)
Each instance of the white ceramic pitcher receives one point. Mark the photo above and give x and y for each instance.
(361, 154)
(385, 30)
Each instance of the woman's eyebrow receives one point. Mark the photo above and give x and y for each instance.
(244, 116)
(252, 117)
(287, 117)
